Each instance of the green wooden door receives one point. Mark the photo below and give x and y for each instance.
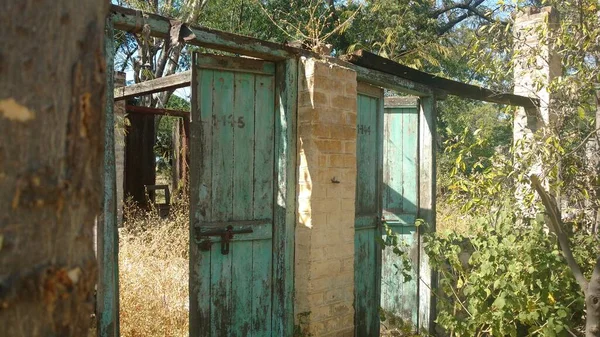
(400, 205)
(367, 253)
(232, 198)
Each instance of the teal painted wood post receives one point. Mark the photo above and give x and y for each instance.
(427, 188)
(285, 195)
(107, 292)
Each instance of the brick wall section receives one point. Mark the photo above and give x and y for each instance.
(324, 256)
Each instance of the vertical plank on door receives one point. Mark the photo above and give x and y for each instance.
(222, 199)
(410, 136)
(242, 124)
(264, 115)
(200, 196)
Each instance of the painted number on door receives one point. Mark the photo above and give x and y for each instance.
(224, 121)
(362, 129)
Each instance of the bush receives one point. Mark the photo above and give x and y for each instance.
(508, 281)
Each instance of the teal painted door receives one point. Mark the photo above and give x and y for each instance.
(232, 197)
(367, 251)
(400, 203)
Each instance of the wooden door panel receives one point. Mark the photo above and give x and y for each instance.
(400, 203)
(366, 257)
(231, 188)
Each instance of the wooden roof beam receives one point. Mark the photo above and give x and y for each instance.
(372, 61)
(385, 80)
(170, 82)
(132, 20)
(144, 110)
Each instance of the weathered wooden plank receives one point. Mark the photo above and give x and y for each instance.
(221, 293)
(410, 159)
(222, 155)
(393, 179)
(200, 196)
(222, 199)
(107, 290)
(261, 283)
(427, 188)
(366, 185)
(165, 83)
(372, 61)
(144, 110)
(366, 300)
(367, 89)
(241, 290)
(285, 194)
(133, 20)
(243, 150)
(367, 213)
(240, 64)
(384, 80)
(401, 101)
(264, 116)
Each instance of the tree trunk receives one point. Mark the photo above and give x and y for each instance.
(592, 304)
(52, 87)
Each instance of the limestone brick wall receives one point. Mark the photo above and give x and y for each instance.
(324, 251)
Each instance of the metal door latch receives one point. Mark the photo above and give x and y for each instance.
(226, 234)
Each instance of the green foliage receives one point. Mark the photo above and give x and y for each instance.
(163, 147)
(400, 248)
(507, 281)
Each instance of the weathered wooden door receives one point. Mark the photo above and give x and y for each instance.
(400, 205)
(232, 194)
(368, 211)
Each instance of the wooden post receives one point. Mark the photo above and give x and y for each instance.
(285, 191)
(107, 291)
(427, 190)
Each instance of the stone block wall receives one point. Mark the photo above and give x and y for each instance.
(324, 251)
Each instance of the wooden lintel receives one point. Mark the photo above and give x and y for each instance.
(375, 62)
(166, 83)
(133, 20)
(385, 80)
(156, 111)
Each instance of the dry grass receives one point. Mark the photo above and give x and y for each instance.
(153, 273)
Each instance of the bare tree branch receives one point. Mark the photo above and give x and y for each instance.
(555, 223)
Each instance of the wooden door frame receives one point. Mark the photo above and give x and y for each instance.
(284, 203)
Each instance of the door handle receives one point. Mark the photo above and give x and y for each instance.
(226, 234)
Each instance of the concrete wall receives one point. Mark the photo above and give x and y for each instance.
(324, 251)
(536, 65)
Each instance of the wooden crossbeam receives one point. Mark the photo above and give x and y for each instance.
(132, 20)
(369, 60)
(170, 82)
(144, 110)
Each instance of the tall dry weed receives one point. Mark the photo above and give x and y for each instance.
(153, 273)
